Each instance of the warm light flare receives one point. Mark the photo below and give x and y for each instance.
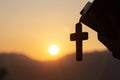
(53, 49)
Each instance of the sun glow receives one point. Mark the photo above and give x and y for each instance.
(53, 50)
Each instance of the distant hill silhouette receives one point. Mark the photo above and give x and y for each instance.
(95, 66)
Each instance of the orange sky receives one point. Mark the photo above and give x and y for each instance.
(31, 26)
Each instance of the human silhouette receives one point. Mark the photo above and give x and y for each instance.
(103, 16)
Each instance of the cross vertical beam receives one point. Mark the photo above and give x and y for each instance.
(79, 36)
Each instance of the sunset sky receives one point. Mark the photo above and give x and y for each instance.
(31, 26)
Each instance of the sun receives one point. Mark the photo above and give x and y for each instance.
(53, 49)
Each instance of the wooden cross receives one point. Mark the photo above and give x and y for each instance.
(79, 36)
